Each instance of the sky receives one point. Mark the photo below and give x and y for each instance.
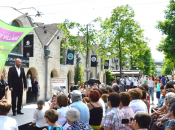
(147, 13)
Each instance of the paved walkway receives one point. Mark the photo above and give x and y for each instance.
(27, 117)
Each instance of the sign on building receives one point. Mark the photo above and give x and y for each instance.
(28, 46)
(58, 85)
(11, 60)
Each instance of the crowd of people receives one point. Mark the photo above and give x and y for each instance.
(103, 107)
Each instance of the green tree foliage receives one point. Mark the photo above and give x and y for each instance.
(121, 28)
(79, 73)
(167, 45)
(167, 67)
(78, 42)
(109, 77)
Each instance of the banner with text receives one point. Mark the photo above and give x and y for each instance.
(28, 46)
(10, 36)
(106, 66)
(70, 57)
(93, 60)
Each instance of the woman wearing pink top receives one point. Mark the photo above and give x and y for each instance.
(124, 106)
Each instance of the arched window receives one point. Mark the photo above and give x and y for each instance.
(18, 48)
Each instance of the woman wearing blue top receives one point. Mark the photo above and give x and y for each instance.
(158, 89)
(35, 89)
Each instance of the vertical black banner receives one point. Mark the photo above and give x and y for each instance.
(106, 66)
(70, 57)
(93, 60)
(28, 46)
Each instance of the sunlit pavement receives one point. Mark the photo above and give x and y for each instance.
(27, 117)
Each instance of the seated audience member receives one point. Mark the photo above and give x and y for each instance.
(50, 102)
(124, 106)
(168, 85)
(141, 121)
(96, 110)
(101, 101)
(161, 101)
(104, 91)
(105, 99)
(86, 99)
(143, 98)
(114, 117)
(170, 90)
(115, 89)
(109, 89)
(161, 121)
(62, 102)
(170, 125)
(136, 104)
(163, 109)
(73, 119)
(83, 89)
(87, 92)
(6, 123)
(38, 117)
(51, 116)
(80, 106)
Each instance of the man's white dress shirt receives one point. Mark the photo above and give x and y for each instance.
(18, 70)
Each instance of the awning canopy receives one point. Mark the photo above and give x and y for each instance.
(136, 73)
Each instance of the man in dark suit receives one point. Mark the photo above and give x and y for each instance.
(16, 79)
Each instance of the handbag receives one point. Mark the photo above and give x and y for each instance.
(38, 93)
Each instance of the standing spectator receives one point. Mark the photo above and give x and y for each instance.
(135, 83)
(95, 85)
(80, 106)
(6, 123)
(73, 119)
(167, 80)
(72, 87)
(35, 89)
(38, 117)
(96, 110)
(136, 104)
(109, 89)
(115, 89)
(105, 99)
(124, 106)
(158, 89)
(29, 87)
(141, 121)
(3, 90)
(122, 82)
(83, 90)
(163, 80)
(128, 83)
(78, 84)
(147, 78)
(139, 81)
(16, 79)
(132, 81)
(62, 102)
(51, 116)
(151, 85)
(114, 117)
(102, 85)
(142, 80)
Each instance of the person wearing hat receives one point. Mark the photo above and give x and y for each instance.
(79, 105)
(115, 89)
(158, 89)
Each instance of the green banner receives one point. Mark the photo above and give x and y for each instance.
(10, 36)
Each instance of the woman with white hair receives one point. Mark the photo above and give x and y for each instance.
(163, 109)
(73, 119)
